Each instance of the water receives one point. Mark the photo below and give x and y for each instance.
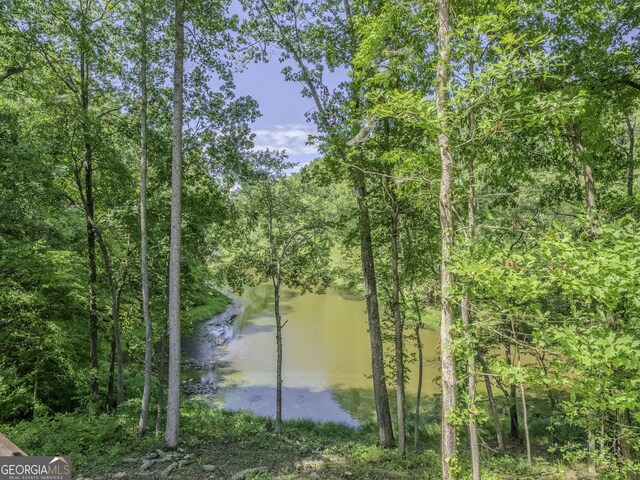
(326, 358)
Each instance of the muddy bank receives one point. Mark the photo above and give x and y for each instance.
(201, 352)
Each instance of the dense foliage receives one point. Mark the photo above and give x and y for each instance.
(477, 157)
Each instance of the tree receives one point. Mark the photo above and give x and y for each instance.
(295, 30)
(144, 263)
(173, 401)
(446, 235)
(280, 237)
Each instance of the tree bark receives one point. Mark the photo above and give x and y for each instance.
(114, 291)
(9, 72)
(465, 304)
(492, 403)
(398, 323)
(385, 428)
(471, 392)
(144, 264)
(626, 448)
(416, 428)
(591, 445)
(513, 408)
(383, 415)
(91, 236)
(276, 298)
(161, 380)
(587, 175)
(525, 422)
(111, 402)
(173, 399)
(446, 241)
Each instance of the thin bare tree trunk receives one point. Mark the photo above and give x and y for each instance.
(513, 409)
(12, 71)
(173, 399)
(416, 428)
(114, 291)
(591, 445)
(112, 367)
(91, 236)
(161, 380)
(383, 415)
(398, 323)
(492, 403)
(471, 392)
(446, 241)
(465, 304)
(525, 421)
(626, 448)
(385, 428)
(587, 175)
(144, 263)
(276, 298)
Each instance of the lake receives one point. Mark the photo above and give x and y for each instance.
(326, 358)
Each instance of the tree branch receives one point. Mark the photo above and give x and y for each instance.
(12, 71)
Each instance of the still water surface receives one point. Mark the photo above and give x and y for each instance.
(326, 358)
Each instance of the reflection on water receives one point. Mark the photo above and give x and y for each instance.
(326, 358)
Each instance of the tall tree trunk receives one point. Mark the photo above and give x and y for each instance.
(513, 408)
(173, 400)
(525, 423)
(144, 264)
(448, 370)
(626, 448)
(398, 323)
(91, 236)
(276, 303)
(114, 291)
(416, 428)
(631, 129)
(385, 428)
(471, 392)
(465, 304)
(111, 402)
(587, 175)
(492, 403)
(383, 415)
(161, 379)
(591, 445)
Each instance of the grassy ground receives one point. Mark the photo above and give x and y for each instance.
(206, 303)
(232, 442)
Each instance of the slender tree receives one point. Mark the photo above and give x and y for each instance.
(144, 262)
(465, 309)
(448, 372)
(397, 316)
(173, 398)
(281, 26)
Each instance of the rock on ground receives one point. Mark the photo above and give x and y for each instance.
(243, 474)
(167, 471)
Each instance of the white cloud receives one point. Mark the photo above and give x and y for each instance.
(291, 137)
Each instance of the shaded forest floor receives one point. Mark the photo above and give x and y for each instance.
(226, 445)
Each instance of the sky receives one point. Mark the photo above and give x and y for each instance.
(283, 124)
